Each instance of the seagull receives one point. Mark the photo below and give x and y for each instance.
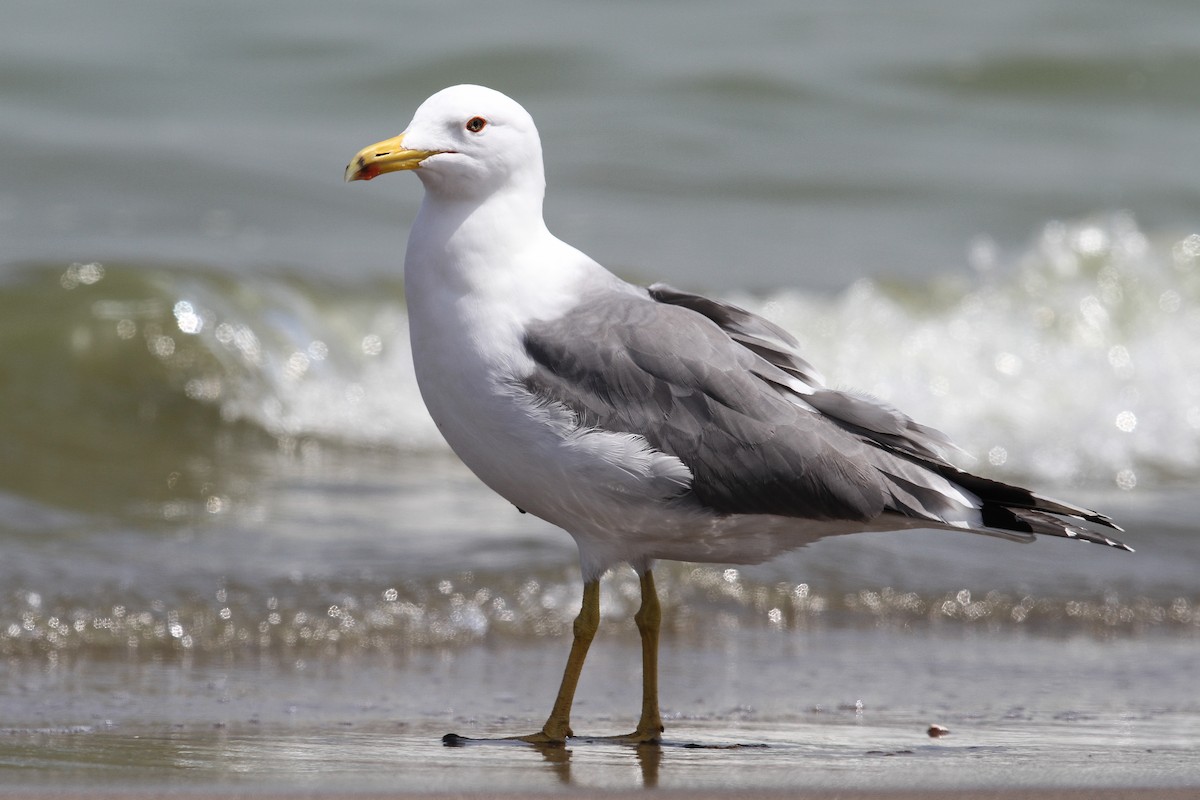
(647, 422)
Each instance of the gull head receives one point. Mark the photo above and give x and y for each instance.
(463, 142)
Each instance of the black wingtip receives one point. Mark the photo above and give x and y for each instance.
(1100, 538)
(1101, 519)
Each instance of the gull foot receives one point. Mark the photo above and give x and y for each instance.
(639, 736)
(539, 739)
(543, 739)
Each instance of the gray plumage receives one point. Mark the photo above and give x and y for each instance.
(728, 394)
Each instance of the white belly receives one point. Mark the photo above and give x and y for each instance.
(610, 491)
(619, 498)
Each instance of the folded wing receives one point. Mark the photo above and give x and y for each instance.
(729, 394)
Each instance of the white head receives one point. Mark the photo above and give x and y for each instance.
(465, 143)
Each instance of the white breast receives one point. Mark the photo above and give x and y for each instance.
(467, 322)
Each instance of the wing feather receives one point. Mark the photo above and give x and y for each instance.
(728, 394)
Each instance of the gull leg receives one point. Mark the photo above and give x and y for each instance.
(558, 725)
(649, 620)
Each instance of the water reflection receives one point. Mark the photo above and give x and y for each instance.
(648, 758)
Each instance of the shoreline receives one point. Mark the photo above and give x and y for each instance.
(1114, 793)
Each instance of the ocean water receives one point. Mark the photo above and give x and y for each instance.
(228, 527)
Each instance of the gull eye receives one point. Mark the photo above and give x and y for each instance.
(476, 124)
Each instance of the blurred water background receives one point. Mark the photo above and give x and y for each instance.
(211, 443)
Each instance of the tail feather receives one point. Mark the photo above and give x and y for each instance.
(1044, 523)
(1012, 508)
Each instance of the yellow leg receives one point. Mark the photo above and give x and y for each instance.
(649, 620)
(558, 725)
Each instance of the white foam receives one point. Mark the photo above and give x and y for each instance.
(1074, 361)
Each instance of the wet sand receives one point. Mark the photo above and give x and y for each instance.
(974, 794)
(826, 713)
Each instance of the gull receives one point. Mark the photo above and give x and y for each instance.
(647, 422)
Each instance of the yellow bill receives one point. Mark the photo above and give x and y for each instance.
(390, 155)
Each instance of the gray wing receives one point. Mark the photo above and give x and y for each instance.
(728, 394)
(1003, 507)
(626, 363)
(854, 412)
